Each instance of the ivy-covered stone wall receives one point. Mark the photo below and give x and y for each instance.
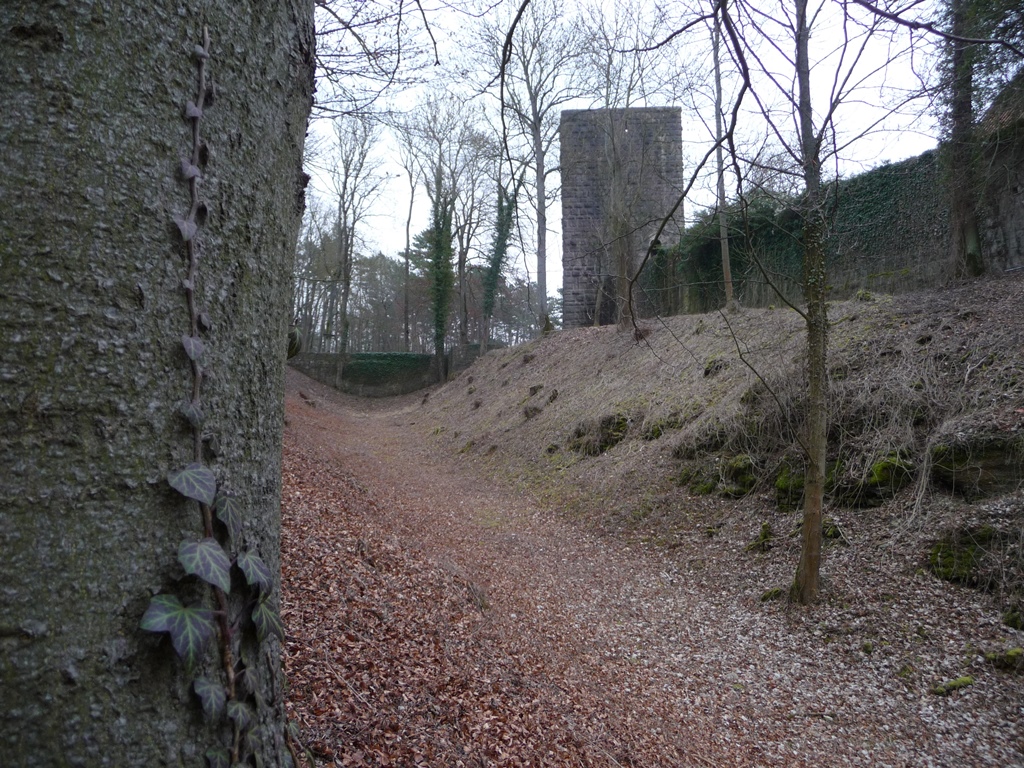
(890, 229)
(888, 233)
(381, 374)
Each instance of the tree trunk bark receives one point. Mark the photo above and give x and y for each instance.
(723, 222)
(405, 283)
(542, 226)
(806, 583)
(963, 221)
(92, 312)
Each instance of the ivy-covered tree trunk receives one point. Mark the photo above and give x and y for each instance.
(102, 303)
(441, 277)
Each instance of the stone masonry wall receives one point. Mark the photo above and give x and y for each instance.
(622, 173)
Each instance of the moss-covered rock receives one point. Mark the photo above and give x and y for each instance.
(703, 486)
(738, 473)
(979, 465)
(889, 474)
(958, 556)
(831, 531)
(946, 688)
(882, 479)
(595, 436)
(656, 427)
(1013, 619)
(789, 486)
(763, 542)
(1009, 661)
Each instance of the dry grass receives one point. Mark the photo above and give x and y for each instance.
(693, 392)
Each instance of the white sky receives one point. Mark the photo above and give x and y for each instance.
(385, 228)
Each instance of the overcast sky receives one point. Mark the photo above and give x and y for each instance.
(385, 229)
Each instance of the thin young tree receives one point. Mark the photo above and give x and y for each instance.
(723, 216)
(807, 123)
(536, 57)
(357, 183)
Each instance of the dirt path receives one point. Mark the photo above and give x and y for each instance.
(434, 619)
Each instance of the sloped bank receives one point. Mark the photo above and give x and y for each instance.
(697, 426)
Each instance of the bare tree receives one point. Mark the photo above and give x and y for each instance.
(773, 52)
(366, 49)
(538, 55)
(408, 161)
(723, 216)
(473, 203)
(357, 183)
(620, 65)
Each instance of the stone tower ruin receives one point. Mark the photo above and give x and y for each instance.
(622, 173)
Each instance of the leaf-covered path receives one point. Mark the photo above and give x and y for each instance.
(435, 620)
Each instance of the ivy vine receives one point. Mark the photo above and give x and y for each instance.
(220, 549)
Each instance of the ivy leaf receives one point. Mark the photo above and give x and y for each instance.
(193, 347)
(191, 110)
(200, 53)
(204, 321)
(187, 227)
(253, 741)
(241, 714)
(267, 621)
(193, 413)
(212, 695)
(218, 757)
(189, 171)
(191, 629)
(160, 613)
(194, 482)
(207, 560)
(229, 512)
(256, 571)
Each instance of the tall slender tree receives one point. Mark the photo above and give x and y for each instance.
(723, 215)
(439, 245)
(538, 57)
(504, 221)
(357, 184)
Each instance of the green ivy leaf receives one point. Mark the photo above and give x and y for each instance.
(194, 482)
(218, 757)
(159, 616)
(253, 743)
(193, 413)
(212, 695)
(191, 629)
(256, 571)
(267, 621)
(229, 512)
(241, 714)
(207, 560)
(193, 347)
